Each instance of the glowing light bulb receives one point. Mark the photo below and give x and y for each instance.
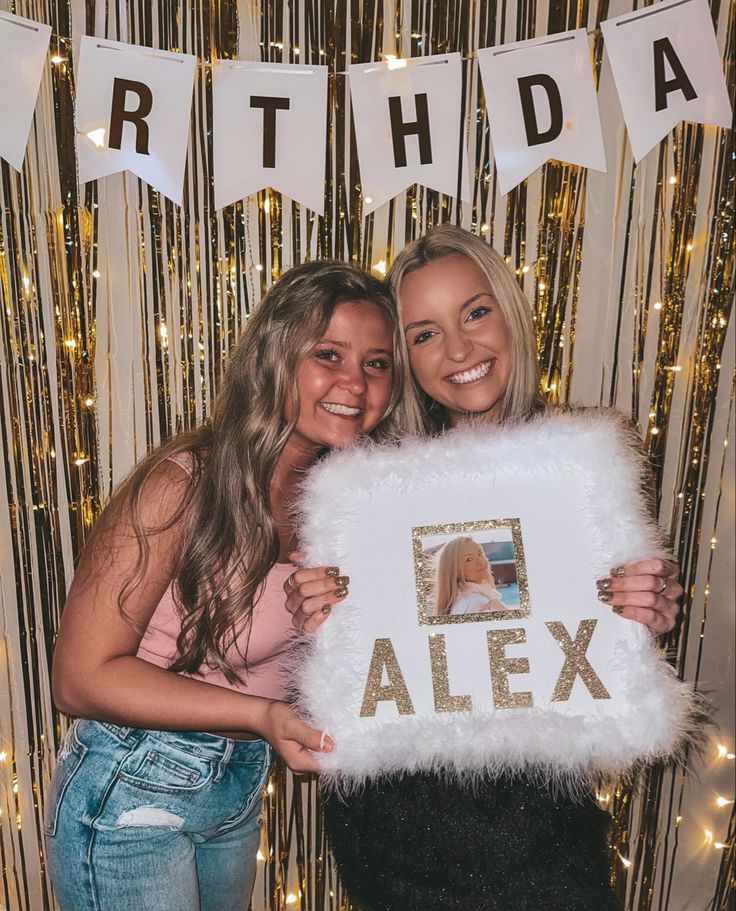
(484, 228)
(380, 266)
(673, 180)
(722, 801)
(658, 305)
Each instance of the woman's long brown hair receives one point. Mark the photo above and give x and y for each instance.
(231, 539)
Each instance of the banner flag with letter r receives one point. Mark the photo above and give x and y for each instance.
(133, 107)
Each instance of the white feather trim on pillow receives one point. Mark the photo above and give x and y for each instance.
(554, 684)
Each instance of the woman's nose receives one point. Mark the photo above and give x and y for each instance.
(457, 346)
(352, 378)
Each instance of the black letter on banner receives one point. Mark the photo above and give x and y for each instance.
(533, 136)
(662, 48)
(270, 106)
(120, 88)
(400, 130)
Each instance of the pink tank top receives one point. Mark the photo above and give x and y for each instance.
(268, 647)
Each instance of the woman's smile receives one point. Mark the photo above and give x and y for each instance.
(472, 374)
(343, 411)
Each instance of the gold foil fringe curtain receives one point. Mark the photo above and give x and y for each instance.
(119, 309)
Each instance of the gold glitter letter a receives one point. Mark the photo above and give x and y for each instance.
(384, 656)
(575, 661)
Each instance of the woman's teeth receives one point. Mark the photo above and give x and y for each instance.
(467, 376)
(347, 410)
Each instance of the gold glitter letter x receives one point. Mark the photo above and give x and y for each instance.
(576, 664)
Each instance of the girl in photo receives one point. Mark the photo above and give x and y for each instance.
(463, 581)
(174, 644)
(505, 844)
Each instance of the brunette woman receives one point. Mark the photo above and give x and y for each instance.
(173, 643)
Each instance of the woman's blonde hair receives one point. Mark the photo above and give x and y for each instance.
(449, 577)
(522, 396)
(231, 539)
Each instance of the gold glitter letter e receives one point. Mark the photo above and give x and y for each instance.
(501, 667)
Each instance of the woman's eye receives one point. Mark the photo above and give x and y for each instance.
(379, 363)
(327, 354)
(477, 312)
(422, 337)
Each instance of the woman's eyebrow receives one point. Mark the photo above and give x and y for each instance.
(347, 345)
(471, 300)
(417, 324)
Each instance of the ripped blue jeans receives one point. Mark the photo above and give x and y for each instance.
(140, 820)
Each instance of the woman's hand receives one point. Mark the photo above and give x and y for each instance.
(293, 739)
(647, 591)
(311, 593)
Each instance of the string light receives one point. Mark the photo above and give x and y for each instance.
(658, 305)
(722, 801)
(485, 228)
(673, 180)
(380, 266)
(707, 836)
(57, 59)
(97, 137)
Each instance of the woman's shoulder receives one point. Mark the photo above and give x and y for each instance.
(467, 603)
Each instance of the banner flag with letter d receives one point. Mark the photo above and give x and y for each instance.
(541, 104)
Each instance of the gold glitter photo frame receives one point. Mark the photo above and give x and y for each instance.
(470, 572)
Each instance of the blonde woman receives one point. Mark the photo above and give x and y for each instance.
(174, 644)
(504, 844)
(463, 581)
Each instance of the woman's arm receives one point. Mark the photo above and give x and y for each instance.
(96, 673)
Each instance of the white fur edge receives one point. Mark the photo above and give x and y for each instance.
(562, 750)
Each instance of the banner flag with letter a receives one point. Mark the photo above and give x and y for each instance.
(270, 128)
(409, 127)
(541, 104)
(23, 47)
(667, 68)
(133, 107)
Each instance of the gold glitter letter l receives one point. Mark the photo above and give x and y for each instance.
(443, 700)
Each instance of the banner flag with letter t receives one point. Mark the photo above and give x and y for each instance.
(409, 127)
(270, 128)
(541, 104)
(667, 68)
(23, 47)
(133, 107)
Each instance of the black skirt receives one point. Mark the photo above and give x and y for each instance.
(417, 842)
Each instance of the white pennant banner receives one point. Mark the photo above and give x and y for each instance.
(133, 107)
(667, 68)
(23, 47)
(541, 104)
(270, 125)
(409, 127)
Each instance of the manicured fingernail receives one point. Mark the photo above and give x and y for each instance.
(326, 608)
(605, 596)
(341, 591)
(617, 609)
(332, 571)
(603, 584)
(341, 581)
(618, 572)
